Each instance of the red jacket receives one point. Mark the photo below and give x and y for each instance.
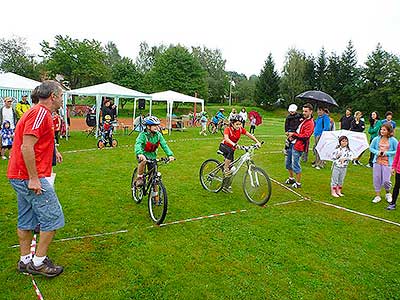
(306, 129)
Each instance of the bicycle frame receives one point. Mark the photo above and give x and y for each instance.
(150, 177)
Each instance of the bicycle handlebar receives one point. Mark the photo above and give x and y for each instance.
(165, 160)
(247, 148)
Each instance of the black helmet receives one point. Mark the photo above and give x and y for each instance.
(236, 118)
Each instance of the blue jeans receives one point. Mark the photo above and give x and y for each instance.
(293, 159)
(33, 209)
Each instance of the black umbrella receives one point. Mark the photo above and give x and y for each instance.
(318, 97)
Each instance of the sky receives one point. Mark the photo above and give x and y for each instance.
(245, 31)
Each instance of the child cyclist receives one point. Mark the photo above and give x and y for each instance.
(147, 143)
(229, 144)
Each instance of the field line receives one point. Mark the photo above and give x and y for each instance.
(337, 206)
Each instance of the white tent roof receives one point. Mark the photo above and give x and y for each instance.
(108, 89)
(14, 81)
(171, 96)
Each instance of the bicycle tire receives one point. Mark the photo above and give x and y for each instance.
(211, 172)
(222, 128)
(100, 144)
(137, 192)
(158, 207)
(211, 128)
(114, 143)
(260, 192)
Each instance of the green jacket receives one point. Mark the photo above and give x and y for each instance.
(374, 130)
(145, 137)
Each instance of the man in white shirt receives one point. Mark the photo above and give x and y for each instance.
(7, 113)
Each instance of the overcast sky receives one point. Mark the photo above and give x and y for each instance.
(245, 31)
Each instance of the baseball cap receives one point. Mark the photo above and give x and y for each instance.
(292, 108)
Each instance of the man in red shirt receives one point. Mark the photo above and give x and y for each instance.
(30, 164)
(299, 143)
(229, 144)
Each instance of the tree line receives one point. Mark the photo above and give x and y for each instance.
(201, 71)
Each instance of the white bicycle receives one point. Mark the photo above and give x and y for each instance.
(256, 183)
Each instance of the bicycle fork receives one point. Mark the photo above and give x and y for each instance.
(253, 177)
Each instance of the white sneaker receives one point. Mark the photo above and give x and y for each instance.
(388, 197)
(317, 168)
(376, 199)
(4, 157)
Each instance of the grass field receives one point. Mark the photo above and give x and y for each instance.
(298, 250)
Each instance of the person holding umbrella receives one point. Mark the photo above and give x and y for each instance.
(300, 140)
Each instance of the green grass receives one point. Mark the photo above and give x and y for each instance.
(303, 250)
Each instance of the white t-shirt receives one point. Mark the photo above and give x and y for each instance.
(8, 116)
(243, 114)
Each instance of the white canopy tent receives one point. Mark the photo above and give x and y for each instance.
(170, 97)
(16, 86)
(108, 89)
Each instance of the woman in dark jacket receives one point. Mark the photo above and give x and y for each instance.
(357, 125)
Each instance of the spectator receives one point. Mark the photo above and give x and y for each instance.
(383, 147)
(22, 106)
(8, 113)
(253, 122)
(7, 135)
(57, 127)
(107, 110)
(299, 143)
(357, 125)
(28, 167)
(292, 121)
(322, 123)
(396, 173)
(332, 125)
(341, 156)
(203, 121)
(373, 130)
(389, 117)
(243, 114)
(232, 113)
(345, 121)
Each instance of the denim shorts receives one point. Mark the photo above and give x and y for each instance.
(293, 159)
(33, 209)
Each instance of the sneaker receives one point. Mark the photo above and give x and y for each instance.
(4, 157)
(368, 165)
(388, 197)
(290, 181)
(355, 163)
(296, 185)
(139, 181)
(391, 207)
(21, 267)
(317, 168)
(47, 269)
(227, 190)
(376, 199)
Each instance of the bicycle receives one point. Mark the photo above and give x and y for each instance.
(256, 182)
(154, 188)
(221, 125)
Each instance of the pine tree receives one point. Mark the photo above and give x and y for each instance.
(320, 71)
(267, 86)
(349, 76)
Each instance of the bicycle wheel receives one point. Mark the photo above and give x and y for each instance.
(137, 192)
(222, 128)
(212, 175)
(100, 144)
(158, 202)
(211, 128)
(256, 185)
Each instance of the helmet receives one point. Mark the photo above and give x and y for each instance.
(236, 118)
(151, 120)
(107, 117)
(221, 109)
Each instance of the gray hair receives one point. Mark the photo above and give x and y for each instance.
(47, 88)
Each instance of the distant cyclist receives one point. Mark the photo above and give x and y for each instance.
(219, 116)
(229, 144)
(147, 144)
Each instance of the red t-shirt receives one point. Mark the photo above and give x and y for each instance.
(234, 135)
(38, 122)
(57, 122)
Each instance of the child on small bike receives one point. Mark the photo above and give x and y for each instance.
(107, 130)
(147, 144)
(229, 144)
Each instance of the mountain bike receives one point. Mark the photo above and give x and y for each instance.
(154, 188)
(256, 183)
(221, 125)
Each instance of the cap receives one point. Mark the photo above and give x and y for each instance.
(292, 108)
